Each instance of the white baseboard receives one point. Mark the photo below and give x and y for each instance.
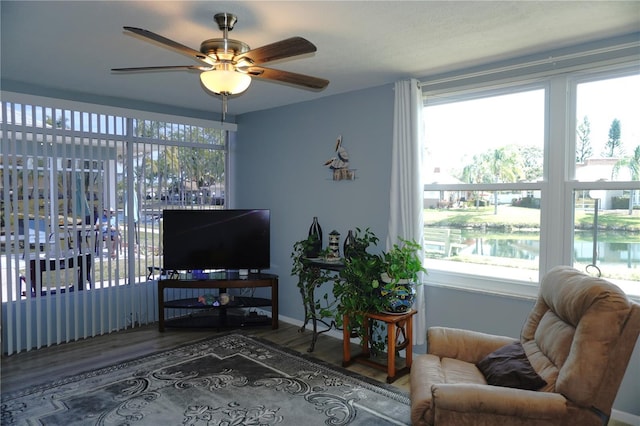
(333, 332)
(625, 417)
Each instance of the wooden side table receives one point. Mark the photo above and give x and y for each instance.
(399, 336)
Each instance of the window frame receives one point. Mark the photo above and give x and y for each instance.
(23, 115)
(558, 184)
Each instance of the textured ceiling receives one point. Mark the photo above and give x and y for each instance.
(71, 45)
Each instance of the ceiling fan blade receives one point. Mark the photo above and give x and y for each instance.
(195, 54)
(288, 77)
(293, 46)
(162, 68)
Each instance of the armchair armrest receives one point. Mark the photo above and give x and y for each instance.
(497, 400)
(465, 345)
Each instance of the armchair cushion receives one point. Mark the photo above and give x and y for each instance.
(465, 345)
(509, 366)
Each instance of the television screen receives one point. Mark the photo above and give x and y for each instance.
(216, 239)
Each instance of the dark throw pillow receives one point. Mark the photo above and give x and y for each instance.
(510, 367)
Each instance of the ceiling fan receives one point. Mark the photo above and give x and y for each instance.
(227, 65)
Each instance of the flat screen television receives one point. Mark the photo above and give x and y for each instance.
(216, 239)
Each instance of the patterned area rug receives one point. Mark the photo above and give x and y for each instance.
(225, 380)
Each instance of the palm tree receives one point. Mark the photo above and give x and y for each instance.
(632, 162)
(472, 173)
(168, 168)
(504, 165)
(498, 165)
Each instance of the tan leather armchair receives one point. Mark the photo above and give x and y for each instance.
(578, 338)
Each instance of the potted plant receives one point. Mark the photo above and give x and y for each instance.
(401, 269)
(356, 287)
(367, 283)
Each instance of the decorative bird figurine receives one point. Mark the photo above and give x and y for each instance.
(342, 160)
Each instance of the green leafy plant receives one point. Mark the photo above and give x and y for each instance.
(359, 289)
(402, 266)
(309, 278)
(356, 288)
(402, 263)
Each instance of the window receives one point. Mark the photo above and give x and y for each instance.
(92, 187)
(483, 173)
(510, 177)
(90, 172)
(606, 190)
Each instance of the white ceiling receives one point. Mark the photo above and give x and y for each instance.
(71, 45)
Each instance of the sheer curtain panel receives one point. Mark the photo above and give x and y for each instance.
(405, 217)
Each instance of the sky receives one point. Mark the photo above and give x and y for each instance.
(457, 131)
(603, 101)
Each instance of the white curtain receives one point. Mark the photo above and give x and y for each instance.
(405, 219)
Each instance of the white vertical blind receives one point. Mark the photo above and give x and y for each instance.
(59, 170)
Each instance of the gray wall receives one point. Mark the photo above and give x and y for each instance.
(280, 153)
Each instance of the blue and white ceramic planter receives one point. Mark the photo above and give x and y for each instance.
(399, 299)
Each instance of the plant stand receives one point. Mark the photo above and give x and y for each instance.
(314, 273)
(399, 334)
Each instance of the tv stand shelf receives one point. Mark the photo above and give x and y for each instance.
(223, 315)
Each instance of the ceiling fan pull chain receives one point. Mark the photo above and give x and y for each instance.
(224, 107)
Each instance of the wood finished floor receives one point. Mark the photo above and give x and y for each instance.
(56, 362)
(40, 366)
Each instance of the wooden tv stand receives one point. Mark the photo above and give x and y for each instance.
(221, 281)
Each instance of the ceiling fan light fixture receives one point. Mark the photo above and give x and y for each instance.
(225, 81)
(227, 66)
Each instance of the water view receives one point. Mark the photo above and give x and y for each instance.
(610, 247)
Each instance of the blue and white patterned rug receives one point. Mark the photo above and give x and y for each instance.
(226, 380)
